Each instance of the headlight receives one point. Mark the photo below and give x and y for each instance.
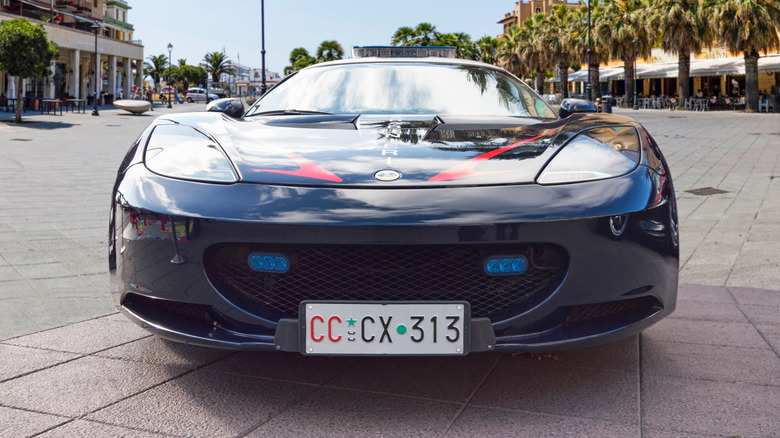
(183, 152)
(594, 154)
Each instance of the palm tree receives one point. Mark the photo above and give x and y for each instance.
(329, 51)
(684, 31)
(532, 54)
(156, 67)
(579, 33)
(624, 30)
(403, 36)
(182, 62)
(507, 53)
(487, 49)
(464, 47)
(425, 34)
(217, 64)
(750, 27)
(556, 39)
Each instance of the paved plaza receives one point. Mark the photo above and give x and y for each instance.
(70, 366)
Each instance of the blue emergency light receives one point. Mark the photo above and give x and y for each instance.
(403, 51)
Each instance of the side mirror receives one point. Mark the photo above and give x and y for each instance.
(232, 106)
(571, 106)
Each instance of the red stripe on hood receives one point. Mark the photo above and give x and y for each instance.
(467, 169)
(308, 169)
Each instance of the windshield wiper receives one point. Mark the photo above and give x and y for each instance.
(287, 112)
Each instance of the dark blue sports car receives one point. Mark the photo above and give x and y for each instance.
(402, 202)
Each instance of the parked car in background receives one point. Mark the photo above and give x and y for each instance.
(196, 94)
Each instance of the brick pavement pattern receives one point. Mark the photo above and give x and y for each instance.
(710, 369)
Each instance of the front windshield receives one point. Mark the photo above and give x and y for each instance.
(404, 88)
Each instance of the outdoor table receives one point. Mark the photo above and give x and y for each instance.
(79, 104)
(50, 106)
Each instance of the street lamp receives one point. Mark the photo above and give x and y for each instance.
(589, 86)
(636, 104)
(263, 86)
(170, 48)
(96, 27)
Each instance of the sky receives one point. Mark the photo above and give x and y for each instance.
(195, 27)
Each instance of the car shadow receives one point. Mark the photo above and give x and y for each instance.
(38, 125)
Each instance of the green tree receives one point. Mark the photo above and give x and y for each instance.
(556, 40)
(182, 62)
(403, 36)
(156, 67)
(299, 58)
(579, 33)
(329, 51)
(25, 52)
(624, 30)
(750, 27)
(424, 35)
(189, 75)
(464, 47)
(217, 64)
(684, 31)
(487, 49)
(531, 52)
(508, 49)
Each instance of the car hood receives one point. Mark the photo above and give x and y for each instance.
(386, 151)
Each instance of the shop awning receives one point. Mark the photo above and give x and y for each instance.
(700, 67)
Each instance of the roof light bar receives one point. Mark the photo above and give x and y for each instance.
(403, 51)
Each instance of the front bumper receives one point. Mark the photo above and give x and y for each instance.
(615, 284)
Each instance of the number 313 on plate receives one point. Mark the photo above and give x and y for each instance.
(384, 328)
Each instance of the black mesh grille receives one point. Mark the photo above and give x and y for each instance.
(382, 272)
(590, 312)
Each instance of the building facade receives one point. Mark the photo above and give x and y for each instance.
(526, 9)
(114, 67)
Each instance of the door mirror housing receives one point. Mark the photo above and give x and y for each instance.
(571, 106)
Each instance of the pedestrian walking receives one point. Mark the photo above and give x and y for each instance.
(149, 96)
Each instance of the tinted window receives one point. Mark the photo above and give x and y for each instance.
(405, 88)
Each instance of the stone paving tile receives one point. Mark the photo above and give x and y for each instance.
(159, 351)
(483, 422)
(16, 289)
(701, 310)
(710, 407)
(65, 287)
(617, 356)
(444, 378)
(757, 297)
(706, 332)
(19, 423)
(8, 273)
(761, 314)
(283, 366)
(83, 428)
(82, 386)
(704, 293)
(15, 361)
(719, 363)
(663, 432)
(342, 412)
(597, 394)
(204, 404)
(85, 337)
(771, 333)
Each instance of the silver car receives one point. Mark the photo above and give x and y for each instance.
(199, 95)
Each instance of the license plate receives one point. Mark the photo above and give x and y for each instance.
(333, 328)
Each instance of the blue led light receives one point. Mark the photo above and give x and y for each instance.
(268, 262)
(506, 265)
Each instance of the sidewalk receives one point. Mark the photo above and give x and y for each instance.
(711, 369)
